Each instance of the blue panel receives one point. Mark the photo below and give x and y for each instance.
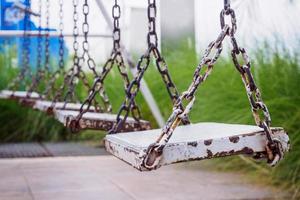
(12, 19)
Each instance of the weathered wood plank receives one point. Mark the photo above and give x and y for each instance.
(99, 121)
(193, 142)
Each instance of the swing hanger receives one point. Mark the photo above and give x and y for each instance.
(148, 150)
(41, 73)
(103, 121)
(142, 66)
(78, 73)
(73, 75)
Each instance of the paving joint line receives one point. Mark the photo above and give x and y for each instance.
(123, 190)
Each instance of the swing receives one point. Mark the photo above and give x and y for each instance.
(47, 106)
(42, 73)
(85, 119)
(149, 150)
(70, 76)
(98, 121)
(11, 92)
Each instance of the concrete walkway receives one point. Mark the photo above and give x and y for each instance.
(60, 149)
(107, 178)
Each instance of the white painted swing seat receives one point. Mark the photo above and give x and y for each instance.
(9, 94)
(99, 121)
(193, 142)
(46, 105)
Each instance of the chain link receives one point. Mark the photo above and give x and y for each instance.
(85, 44)
(151, 158)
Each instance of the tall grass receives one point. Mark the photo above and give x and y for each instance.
(222, 98)
(21, 124)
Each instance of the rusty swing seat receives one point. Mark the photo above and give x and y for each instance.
(193, 142)
(99, 121)
(47, 106)
(17, 95)
(21, 97)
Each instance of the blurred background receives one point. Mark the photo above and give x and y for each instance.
(269, 30)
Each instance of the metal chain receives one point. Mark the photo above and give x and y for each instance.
(85, 44)
(142, 66)
(151, 158)
(27, 46)
(78, 73)
(42, 73)
(116, 14)
(25, 55)
(61, 36)
(73, 74)
(27, 43)
(116, 58)
(47, 38)
(69, 75)
(273, 147)
(39, 70)
(60, 71)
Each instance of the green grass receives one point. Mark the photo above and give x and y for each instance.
(222, 98)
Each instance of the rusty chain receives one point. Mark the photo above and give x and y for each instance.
(40, 72)
(151, 158)
(142, 66)
(78, 73)
(69, 73)
(25, 66)
(47, 39)
(73, 75)
(115, 58)
(27, 47)
(50, 86)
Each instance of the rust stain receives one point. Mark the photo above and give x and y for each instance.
(193, 144)
(247, 150)
(208, 142)
(129, 150)
(234, 139)
(50, 111)
(209, 153)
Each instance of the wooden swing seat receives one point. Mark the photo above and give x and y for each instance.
(17, 95)
(46, 105)
(193, 142)
(99, 121)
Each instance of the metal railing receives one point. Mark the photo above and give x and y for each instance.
(20, 33)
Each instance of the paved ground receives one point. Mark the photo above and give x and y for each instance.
(107, 178)
(30, 150)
